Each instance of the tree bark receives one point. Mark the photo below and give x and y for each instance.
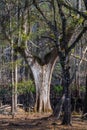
(42, 76)
(66, 90)
(42, 81)
(67, 103)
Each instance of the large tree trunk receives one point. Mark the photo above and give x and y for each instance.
(42, 76)
(42, 73)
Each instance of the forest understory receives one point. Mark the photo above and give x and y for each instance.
(39, 121)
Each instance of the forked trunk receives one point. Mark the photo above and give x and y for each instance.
(42, 72)
(42, 76)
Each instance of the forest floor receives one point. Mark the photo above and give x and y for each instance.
(36, 121)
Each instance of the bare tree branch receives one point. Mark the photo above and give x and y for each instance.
(42, 14)
(53, 27)
(50, 38)
(78, 57)
(83, 14)
(76, 36)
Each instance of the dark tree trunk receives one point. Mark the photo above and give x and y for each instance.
(66, 89)
(67, 103)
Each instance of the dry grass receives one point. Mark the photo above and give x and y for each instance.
(38, 121)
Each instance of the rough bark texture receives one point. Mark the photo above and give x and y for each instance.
(42, 76)
(42, 81)
(66, 91)
(67, 112)
(67, 103)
